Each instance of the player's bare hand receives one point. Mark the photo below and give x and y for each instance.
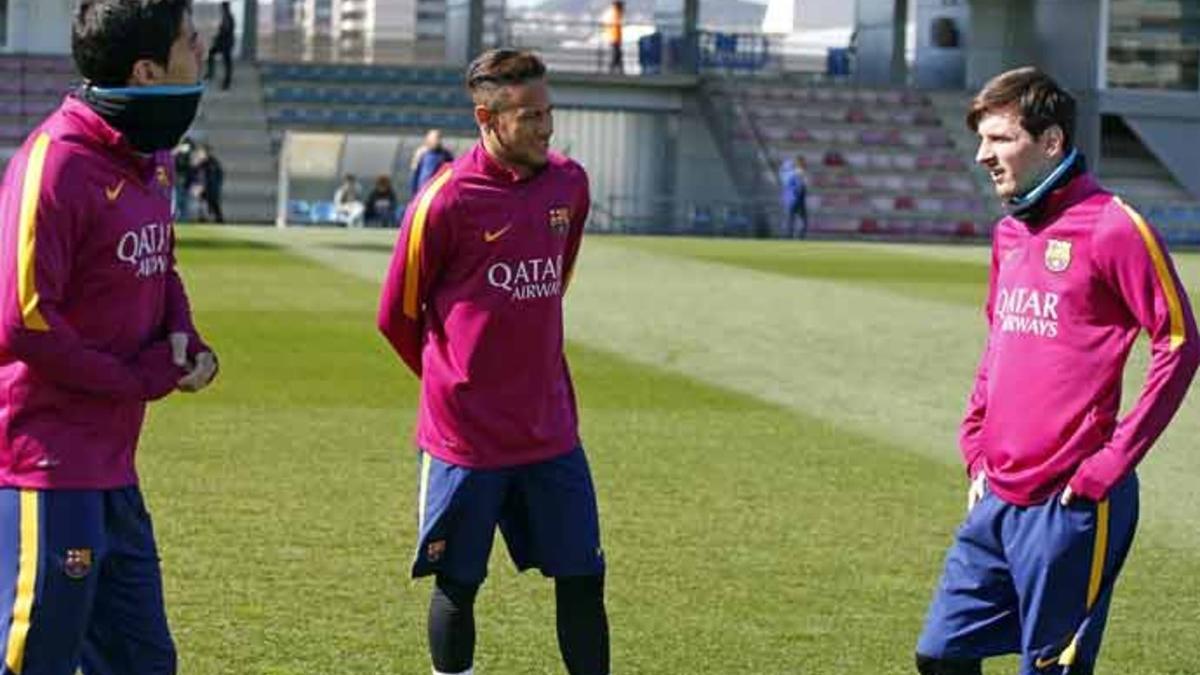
(179, 345)
(201, 373)
(976, 491)
(1067, 497)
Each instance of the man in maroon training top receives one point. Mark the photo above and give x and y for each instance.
(94, 322)
(1076, 275)
(473, 305)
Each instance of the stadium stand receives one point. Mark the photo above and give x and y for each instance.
(1128, 169)
(361, 97)
(30, 87)
(1151, 45)
(234, 123)
(879, 161)
(246, 124)
(886, 162)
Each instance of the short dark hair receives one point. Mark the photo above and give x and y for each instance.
(109, 36)
(1040, 101)
(495, 69)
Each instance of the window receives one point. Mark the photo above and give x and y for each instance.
(3, 23)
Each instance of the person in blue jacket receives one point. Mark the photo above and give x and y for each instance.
(428, 159)
(793, 185)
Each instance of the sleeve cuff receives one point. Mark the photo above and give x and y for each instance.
(196, 344)
(1089, 486)
(156, 372)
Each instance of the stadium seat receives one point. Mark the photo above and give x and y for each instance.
(323, 212)
(40, 106)
(701, 219)
(737, 223)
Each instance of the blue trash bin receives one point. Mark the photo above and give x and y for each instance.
(837, 62)
(650, 51)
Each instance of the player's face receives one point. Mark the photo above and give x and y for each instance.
(1015, 159)
(524, 124)
(183, 62)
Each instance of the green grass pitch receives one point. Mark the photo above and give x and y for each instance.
(771, 426)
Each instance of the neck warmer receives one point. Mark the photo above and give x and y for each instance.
(150, 118)
(1030, 207)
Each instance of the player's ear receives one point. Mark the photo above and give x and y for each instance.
(483, 116)
(1054, 141)
(145, 72)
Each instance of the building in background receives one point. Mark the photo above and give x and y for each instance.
(1133, 65)
(352, 30)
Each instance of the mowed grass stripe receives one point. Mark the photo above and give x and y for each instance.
(741, 536)
(856, 354)
(792, 341)
(882, 267)
(867, 360)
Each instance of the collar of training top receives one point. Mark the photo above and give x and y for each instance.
(97, 130)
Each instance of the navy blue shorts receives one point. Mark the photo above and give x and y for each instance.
(546, 512)
(1032, 580)
(80, 584)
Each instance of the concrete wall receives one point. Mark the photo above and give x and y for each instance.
(880, 26)
(1075, 61)
(1063, 37)
(627, 156)
(39, 26)
(702, 174)
(999, 38)
(1168, 124)
(644, 143)
(941, 67)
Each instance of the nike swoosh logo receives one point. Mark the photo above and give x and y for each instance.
(1045, 663)
(113, 192)
(489, 237)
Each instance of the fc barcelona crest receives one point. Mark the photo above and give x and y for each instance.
(560, 219)
(77, 562)
(163, 180)
(1058, 255)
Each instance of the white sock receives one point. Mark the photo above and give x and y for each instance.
(468, 671)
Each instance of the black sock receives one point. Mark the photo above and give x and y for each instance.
(452, 625)
(582, 624)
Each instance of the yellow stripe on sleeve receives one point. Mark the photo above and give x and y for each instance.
(27, 292)
(1174, 306)
(412, 271)
(26, 582)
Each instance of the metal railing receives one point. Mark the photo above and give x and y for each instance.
(649, 45)
(625, 214)
(742, 146)
(571, 45)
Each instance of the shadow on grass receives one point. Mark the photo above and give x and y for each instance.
(362, 246)
(215, 244)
